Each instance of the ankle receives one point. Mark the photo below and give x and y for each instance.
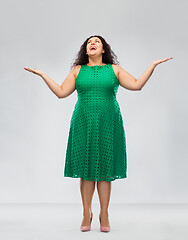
(104, 213)
(87, 212)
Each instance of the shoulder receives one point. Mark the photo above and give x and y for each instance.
(76, 70)
(116, 69)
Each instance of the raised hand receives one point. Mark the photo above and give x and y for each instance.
(156, 62)
(35, 71)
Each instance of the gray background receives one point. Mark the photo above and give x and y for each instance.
(34, 123)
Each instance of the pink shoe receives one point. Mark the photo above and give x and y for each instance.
(103, 229)
(87, 228)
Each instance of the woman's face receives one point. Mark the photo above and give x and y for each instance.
(94, 46)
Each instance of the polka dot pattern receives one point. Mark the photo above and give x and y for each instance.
(96, 147)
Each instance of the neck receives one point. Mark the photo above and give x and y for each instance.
(93, 62)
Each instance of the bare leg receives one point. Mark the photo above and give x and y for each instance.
(104, 191)
(87, 189)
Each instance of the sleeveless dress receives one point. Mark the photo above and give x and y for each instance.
(96, 147)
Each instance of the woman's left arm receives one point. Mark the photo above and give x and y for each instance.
(141, 81)
(128, 81)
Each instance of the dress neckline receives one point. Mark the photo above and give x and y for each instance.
(97, 65)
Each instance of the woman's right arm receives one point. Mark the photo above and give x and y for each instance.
(67, 87)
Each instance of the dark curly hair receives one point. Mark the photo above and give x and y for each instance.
(107, 57)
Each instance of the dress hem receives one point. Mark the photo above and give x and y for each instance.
(96, 180)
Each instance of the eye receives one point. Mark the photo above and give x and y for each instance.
(96, 41)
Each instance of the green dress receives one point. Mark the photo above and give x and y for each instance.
(96, 147)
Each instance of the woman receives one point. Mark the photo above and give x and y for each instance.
(96, 148)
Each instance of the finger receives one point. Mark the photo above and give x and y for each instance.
(31, 70)
(27, 68)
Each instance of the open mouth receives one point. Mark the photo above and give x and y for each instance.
(93, 48)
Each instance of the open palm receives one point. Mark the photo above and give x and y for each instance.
(36, 71)
(156, 62)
